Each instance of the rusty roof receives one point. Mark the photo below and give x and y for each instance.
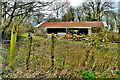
(73, 24)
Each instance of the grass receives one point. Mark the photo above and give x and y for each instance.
(80, 59)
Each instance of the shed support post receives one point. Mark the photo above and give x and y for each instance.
(89, 32)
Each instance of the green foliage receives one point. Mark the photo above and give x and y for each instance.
(96, 29)
(62, 76)
(31, 57)
(99, 37)
(17, 61)
(117, 72)
(59, 59)
(5, 75)
(23, 51)
(87, 74)
(64, 54)
(37, 45)
(118, 78)
(22, 37)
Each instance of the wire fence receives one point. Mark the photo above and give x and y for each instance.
(70, 57)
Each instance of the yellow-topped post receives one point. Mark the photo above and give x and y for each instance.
(13, 45)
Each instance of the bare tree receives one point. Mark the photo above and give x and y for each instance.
(98, 10)
(70, 15)
(15, 9)
(37, 18)
(80, 14)
(95, 9)
(59, 8)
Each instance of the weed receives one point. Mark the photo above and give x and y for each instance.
(87, 74)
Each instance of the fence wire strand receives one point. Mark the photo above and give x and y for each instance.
(69, 55)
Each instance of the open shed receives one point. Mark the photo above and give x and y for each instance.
(61, 27)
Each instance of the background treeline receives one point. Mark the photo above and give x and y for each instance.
(27, 14)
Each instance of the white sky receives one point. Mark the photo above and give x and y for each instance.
(76, 2)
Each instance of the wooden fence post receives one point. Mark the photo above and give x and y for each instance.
(64, 60)
(29, 50)
(12, 46)
(86, 58)
(92, 59)
(52, 51)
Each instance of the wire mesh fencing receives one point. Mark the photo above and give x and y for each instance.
(70, 57)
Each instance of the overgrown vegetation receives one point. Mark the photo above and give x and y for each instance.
(71, 60)
(113, 37)
(41, 57)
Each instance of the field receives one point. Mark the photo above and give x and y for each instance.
(72, 59)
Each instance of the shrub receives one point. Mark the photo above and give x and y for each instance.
(96, 29)
(113, 37)
(87, 74)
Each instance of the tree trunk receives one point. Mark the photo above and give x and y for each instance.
(11, 18)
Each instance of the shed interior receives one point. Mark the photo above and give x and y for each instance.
(63, 30)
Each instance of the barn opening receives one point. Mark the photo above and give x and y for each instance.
(80, 30)
(56, 30)
(63, 30)
(83, 31)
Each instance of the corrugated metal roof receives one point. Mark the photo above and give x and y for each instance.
(73, 24)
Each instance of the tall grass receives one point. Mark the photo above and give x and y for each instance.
(71, 58)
